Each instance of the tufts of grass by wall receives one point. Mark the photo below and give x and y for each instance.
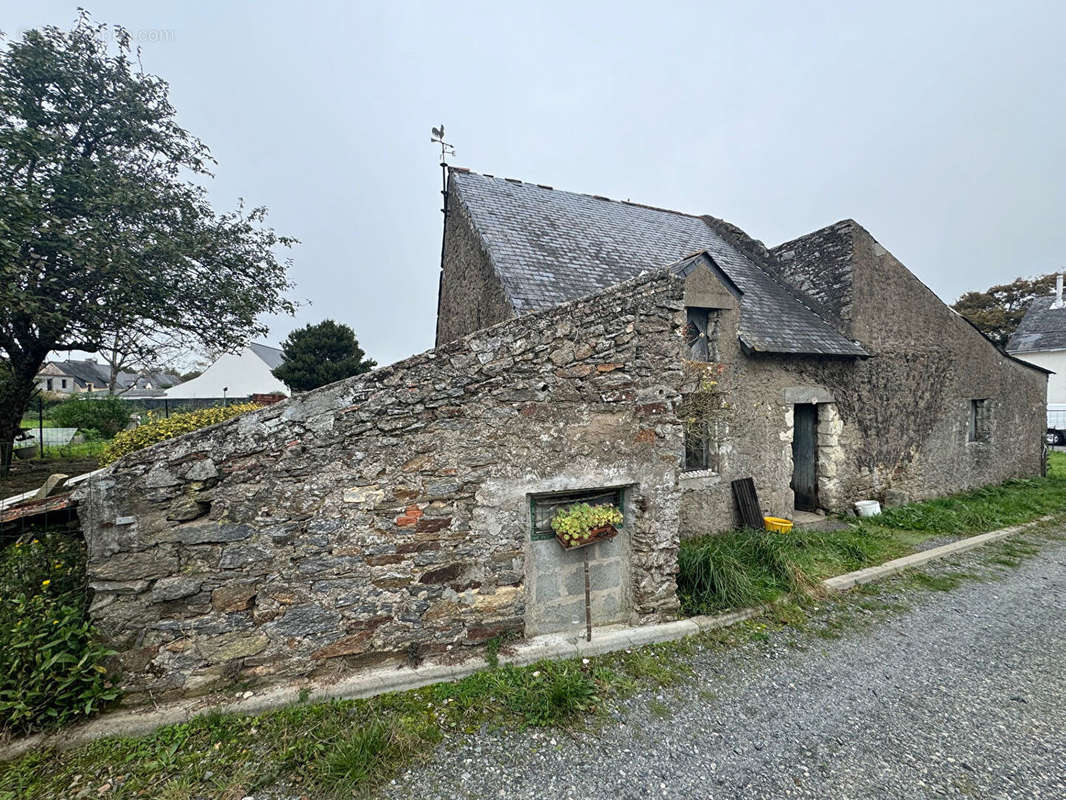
(986, 509)
(333, 749)
(749, 568)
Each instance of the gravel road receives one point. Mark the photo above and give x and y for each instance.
(961, 695)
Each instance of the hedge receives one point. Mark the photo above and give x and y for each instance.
(159, 429)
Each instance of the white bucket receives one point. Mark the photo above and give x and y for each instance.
(867, 508)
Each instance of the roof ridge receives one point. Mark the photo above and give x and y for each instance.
(772, 274)
(604, 198)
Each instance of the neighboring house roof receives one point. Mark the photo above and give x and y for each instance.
(1042, 328)
(271, 355)
(85, 372)
(239, 374)
(550, 246)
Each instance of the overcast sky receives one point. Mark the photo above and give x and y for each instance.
(938, 126)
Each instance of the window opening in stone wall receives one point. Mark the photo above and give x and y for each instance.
(701, 333)
(979, 420)
(543, 507)
(701, 447)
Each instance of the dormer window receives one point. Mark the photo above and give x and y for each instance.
(701, 334)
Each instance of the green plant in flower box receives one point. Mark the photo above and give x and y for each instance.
(575, 525)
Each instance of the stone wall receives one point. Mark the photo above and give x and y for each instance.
(819, 267)
(471, 296)
(387, 516)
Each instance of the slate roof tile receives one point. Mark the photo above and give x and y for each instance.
(1042, 328)
(550, 246)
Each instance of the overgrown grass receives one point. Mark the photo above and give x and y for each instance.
(748, 568)
(987, 509)
(340, 747)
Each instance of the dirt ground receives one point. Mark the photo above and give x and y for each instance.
(26, 475)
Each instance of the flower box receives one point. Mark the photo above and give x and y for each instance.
(600, 534)
(582, 524)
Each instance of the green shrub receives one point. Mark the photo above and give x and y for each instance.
(51, 666)
(107, 415)
(159, 429)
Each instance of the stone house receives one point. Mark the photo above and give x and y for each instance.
(842, 375)
(587, 349)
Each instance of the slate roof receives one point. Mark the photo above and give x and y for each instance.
(98, 374)
(551, 246)
(84, 372)
(271, 355)
(1042, 328)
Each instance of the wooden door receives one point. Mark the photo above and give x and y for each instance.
(805, 457)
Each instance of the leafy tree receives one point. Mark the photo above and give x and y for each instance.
(319, 354)
(101, 217)
(997, 311)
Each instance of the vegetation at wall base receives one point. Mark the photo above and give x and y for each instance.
(347, 748)
(749, 568)
(337, 748)
(158, 429)
(51, 667)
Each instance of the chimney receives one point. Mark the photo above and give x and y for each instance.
(1057, 302)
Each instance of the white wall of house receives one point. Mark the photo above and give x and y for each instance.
(239, 374)
(1054, 360)
(58, 384)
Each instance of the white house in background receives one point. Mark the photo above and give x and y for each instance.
(88, 375)
(1041, 340)
(234, 375)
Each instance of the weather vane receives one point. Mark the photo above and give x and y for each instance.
(445, 148)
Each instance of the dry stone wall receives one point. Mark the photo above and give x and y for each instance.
(387, 516)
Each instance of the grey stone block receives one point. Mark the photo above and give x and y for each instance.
(174, 588)
(547, 589)
(207, 533)
(605, 576)
(237, 556)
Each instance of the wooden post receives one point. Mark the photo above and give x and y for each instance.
(588, 601)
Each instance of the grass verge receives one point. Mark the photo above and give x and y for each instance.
(748, 568)
(338, 748)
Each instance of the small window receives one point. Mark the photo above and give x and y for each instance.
(543, 507)
(49, 382)
(979, 421)
(89, 387)
(701, 334)
(701, 448)
(63, 383)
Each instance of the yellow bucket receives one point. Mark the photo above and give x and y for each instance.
(777, 524)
